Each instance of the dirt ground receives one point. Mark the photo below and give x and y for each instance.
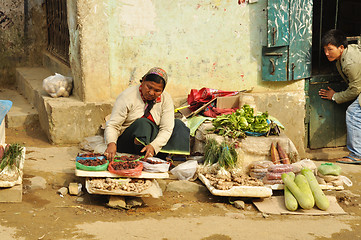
(44, 214)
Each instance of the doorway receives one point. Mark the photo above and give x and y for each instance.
(325, 120)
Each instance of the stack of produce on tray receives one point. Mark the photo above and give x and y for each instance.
(270, 173)
(259, 169)
(220, 167)
(303, 190)
(154, 164)
(111, 184)
(243, 122)
(274, 173)
(91, 162)
(329, 174)
(266, 171)
(11, 162)
(127, 166)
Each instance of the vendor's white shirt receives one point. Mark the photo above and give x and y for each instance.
(129, 106)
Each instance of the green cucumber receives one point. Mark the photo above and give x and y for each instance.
(290, 200)
(302, 183)
(302, 198)
(320, 198)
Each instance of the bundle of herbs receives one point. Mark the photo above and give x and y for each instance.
(211, 151)
(220, 166)
(10, 156)
(219, 159)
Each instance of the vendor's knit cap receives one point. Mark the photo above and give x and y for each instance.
(157, 71)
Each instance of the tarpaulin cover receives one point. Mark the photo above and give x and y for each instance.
(5, 106)
(197, 98)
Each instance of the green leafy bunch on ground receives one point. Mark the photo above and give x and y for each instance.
(236, 124)
(224, 154)
(11, 156)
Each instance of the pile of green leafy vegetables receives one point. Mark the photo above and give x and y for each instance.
(243, 120)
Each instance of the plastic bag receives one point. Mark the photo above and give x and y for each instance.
(186, 170)
(58, 85)
(91, 143)
(297, 166)
(131, 172)
(280, 168)
(103, 167)
(264, 164)
(272, 181)
(258, 175)
(159, 165)
(90, 156)
(329, 169)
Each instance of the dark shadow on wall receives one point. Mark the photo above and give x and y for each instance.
(23, 37)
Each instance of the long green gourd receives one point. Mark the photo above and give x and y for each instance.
(302, 183)
(320, 198)
(302, 198)
(290, 200)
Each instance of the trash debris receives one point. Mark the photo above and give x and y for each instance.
(62, 191)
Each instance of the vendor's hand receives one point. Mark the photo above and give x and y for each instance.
(326, 94)
(110, 151)
(149, 151)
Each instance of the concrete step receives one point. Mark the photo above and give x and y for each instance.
(327, 153)
(65, 120)
(29, 82)
(22, 113)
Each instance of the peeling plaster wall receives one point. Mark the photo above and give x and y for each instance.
(22, 38)
(212, 43)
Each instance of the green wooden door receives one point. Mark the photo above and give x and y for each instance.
(325, 119)
(287, 55)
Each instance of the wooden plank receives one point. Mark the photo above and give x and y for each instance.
(147, 175)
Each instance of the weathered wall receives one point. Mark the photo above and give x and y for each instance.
(22, 38)
(212, 43)
(11, 39)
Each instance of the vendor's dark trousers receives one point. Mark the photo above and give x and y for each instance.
(146, 131)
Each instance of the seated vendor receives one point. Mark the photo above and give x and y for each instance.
(142, 121)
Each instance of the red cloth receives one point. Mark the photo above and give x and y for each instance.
(214, 112)
(197, 98)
